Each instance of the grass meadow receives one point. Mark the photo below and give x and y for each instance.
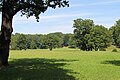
(62, 64)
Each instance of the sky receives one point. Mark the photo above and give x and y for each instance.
(102, 12)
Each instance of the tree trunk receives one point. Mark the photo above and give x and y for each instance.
(6, 31)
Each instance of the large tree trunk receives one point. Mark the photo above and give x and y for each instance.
(6, 31)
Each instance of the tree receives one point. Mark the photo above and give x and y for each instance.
(71, 41)
(21, 42)
(14, 41)
(82, 31)
(115, 32)
(54, 40)
(66, 39)
(27, 7)
(33, 41)
(33, 45)
(89, 36)
(59, 36)
(100, 36)
(18, 42)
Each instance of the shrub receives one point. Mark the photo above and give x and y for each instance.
(73, 46)
(114, 50)
(43, 47)
(102, 49)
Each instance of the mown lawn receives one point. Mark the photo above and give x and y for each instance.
(62, 64)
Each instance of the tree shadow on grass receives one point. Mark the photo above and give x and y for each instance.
(113, 62)
(37, 69)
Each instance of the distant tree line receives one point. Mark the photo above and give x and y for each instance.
(39, 41)
(87, 36)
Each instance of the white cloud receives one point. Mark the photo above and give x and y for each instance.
(23, 20)
(64, 16)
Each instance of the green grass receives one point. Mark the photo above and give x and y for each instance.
(62, 64)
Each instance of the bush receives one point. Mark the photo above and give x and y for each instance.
(102, 49)
(73, 46)
(43, 47)
(114, 50)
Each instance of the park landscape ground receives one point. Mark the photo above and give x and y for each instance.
(62, 64)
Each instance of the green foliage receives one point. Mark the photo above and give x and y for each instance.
(19, 42)
(72, 46)
(68, 40)
(102, 49)
(52, 40)
(101, 37)
(33, 45)
(114, 50)
(115, 32)
(14, 40)
(71, 42)
(31, 7)
(89, 36)
(81, 32)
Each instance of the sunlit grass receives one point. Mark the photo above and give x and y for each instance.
(62, 64)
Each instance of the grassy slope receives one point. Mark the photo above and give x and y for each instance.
(62, 64)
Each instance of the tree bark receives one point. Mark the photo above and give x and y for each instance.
(6, 31)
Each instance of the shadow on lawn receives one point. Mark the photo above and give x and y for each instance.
(113, 62)
(37, 69)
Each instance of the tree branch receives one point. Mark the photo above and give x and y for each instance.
(25, 5)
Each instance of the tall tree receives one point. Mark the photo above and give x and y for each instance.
(21, 42)
(82, 31)
(66, 39)
(100, 36)
(89, 36)
(54, 40)
(27, 7)
(33, 45)
(14, 41)
(115, 31)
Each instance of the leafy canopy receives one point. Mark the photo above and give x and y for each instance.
(115, 32)
(89, 36)
(31, 7)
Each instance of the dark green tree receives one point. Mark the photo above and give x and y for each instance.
(14, 41)
(89, 36)
(33, 45)
(82, 31)
(71, 41)
(100, 37)
(59, 36)
(43, 41)
(27, 7)
(54, 40)
(66, 39)
(115, 32)
(33, 39)
(21, 42)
